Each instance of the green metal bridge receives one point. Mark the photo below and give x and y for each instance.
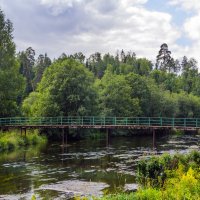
(101, 122)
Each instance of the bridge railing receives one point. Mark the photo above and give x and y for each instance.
(101, 121)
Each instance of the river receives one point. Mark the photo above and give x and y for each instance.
(86, 166)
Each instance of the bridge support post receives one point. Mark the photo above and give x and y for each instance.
(107, 137)
(154, 139)
(63, 137)
(66, 137)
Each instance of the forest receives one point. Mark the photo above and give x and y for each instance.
(119, 84)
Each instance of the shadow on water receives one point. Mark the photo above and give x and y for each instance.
(44, 171)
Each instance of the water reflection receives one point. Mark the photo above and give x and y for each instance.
(25, 172)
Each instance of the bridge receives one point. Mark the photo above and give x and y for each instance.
(107, 123)
(101, 122)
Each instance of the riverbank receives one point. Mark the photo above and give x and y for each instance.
(165, 177)
(11, 140)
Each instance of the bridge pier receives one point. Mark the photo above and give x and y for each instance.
(108, 137)
(65, 136)
(154, 139)
(22, 131)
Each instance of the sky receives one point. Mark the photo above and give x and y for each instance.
(68, 26)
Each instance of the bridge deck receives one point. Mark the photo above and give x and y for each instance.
(101, 122)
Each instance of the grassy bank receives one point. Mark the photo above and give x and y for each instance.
(165, 177)
(13, 140)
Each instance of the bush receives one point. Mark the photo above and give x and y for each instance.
(148, 194)
(13, 139)
(153, 172)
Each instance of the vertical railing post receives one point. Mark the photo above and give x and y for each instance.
(61, 120)
(161, 121)
(93, 120)
(149, 121)
(137, 121)
(173, 122)
(184, 122)
(196, 123)
(115, 121)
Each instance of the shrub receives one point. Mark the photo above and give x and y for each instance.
(153, 172)
(13, 139)
(148, 194)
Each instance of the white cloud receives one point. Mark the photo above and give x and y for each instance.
(191, 26)
(56, 26)
(59, 6)
(187, 4)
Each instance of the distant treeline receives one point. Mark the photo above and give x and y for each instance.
(106, 85)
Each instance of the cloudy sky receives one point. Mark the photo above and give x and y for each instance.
(57, 26)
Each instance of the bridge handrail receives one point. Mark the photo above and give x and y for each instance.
(101, 121)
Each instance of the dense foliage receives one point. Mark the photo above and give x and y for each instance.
(11, 82)
(66, 89)
(106, 85)
(118, 86)
(170, 177)
(155, 170)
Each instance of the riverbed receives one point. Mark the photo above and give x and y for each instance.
(85, 167)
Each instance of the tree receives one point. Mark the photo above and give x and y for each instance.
(42, 63)
(95, 64)
(11, 82)
(163, 58)
(78, 57)
(169, 81)
(165, 62)
(153, 100)
(66, 89)
(27, 61)
(188, 105)
(115, 96)
(189, 74)
(143, 66)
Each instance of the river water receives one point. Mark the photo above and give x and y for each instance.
(86, 166)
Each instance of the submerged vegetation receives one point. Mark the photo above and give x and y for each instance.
(13, 140)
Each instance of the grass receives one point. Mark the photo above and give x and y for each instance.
(11, 140)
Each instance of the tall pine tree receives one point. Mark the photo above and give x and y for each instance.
(11, 82)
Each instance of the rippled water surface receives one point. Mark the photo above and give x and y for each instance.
(87, 166)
